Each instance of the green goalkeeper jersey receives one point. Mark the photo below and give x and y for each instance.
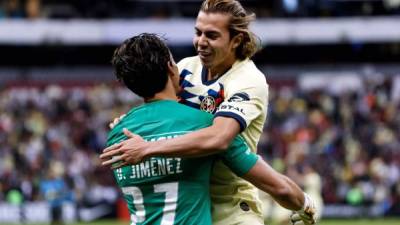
(172, 191)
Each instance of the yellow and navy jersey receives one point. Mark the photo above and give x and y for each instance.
(241, 93)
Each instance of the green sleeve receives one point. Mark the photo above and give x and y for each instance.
(238, 157)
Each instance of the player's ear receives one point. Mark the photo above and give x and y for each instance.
(237, 40)
(171, 68)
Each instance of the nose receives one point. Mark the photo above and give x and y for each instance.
(202, 41)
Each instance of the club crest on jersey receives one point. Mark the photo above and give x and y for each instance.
(208, 104)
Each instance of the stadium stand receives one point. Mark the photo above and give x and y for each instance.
(62, 129)
(57, 96)
(101, 9)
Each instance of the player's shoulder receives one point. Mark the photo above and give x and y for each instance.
(115, 134)
(192, 112)
(168, 113)
(179, 112)
(249, 69)
(246, 75)
(181, 116)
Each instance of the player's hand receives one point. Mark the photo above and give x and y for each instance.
(130, 151)
(116, 121)
(306, 215)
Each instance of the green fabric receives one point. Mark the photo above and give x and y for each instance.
(172, 189)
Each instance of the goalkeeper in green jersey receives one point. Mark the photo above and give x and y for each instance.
(173, 190)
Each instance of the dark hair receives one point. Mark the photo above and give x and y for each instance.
(141, 63)
(239, 23)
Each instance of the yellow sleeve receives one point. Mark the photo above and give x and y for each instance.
(245, 100)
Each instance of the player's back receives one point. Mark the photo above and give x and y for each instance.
(161, 190)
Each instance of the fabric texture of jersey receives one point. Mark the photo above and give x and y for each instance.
(242, 94)
(161, 190)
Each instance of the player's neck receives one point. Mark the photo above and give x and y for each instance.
(168, 93)
(162, 96)
(216, 72)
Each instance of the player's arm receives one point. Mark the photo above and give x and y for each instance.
(206, 141)
(288, 194)
(244, 104)
(280, 187)
(252, 168)
(284, 191)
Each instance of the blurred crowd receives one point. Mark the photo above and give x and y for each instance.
(51, 136)
(50, 139)
(100, 9)
(351, 139)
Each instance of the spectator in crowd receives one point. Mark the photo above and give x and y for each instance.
(40, 126)
(101, 9)
(55, 191)
(354, 134)
(13, 9)
(33, 9)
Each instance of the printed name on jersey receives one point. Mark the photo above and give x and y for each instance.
(239, 97)
(153, 167)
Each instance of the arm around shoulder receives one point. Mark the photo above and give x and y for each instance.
(206, 141)
(210, 140)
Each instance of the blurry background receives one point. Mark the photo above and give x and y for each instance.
(333, 119)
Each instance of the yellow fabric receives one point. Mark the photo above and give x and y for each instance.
(243, 79)
(236, 216)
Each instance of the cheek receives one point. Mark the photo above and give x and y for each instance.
(221, 50)
(195, 41)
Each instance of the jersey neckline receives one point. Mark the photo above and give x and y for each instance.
(204, 73)
(150, 103)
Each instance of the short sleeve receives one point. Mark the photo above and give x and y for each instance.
(238, 157)
(244, 102)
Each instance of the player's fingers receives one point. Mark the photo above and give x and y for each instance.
(310, 213)
(116, 121)
(112, 147)
(129, 134)
(296, 220)
(310, 210)
(121, 117)
(113, 123)
(118, 165)
(130, 159)
(295, 217)
(111, 161)
(111, 153)
(306, 220)
(302, 219)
